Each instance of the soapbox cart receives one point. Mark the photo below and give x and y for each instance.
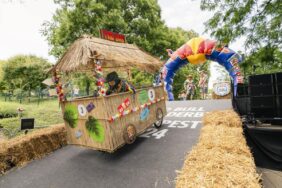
(108, 122)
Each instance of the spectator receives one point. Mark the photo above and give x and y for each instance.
(182, 95)
(189, 87)
(76, 92)
(203, 84)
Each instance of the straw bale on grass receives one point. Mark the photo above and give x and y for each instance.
(221, 158)
(22, 149)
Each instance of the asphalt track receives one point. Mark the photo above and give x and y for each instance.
(152, 161)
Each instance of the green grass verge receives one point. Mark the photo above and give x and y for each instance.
(45, 114)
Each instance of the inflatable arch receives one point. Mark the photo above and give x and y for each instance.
(198, 51)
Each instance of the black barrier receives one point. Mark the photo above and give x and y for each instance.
(265, 144)
(261, 98)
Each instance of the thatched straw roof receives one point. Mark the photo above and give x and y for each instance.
(83, 53)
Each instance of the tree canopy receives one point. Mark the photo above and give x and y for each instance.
(139, 20)
(24, 72)
(259, 21)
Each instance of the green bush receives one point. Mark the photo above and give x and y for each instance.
(8, 110)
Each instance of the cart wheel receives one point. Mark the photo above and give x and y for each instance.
(159, 117)
(129, 134)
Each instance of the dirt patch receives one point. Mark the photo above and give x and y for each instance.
(20, 150)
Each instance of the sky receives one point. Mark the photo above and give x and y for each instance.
(21, 22)
(20, 25)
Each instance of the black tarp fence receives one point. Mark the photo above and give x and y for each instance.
(266, 145)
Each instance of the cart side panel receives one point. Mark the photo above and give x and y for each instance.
(99, 138)
(106, 107)
(118, 125)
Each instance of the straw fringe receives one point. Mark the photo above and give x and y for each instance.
(221, 158)
(83, 52)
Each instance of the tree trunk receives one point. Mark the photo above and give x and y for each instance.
(87, 87)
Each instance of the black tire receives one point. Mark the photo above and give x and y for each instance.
(129, 134)
(159, 116)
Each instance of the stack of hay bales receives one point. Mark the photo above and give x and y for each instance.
(215, 96)
(22, 149)
(221, 158)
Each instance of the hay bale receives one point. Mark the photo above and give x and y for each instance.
(215, 96)
(224, 117)
(20, 150)
(215, 167)
(221, 158)
(3, 156)
(230, 139)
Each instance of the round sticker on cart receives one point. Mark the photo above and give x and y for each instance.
(151, 94)
(81, 110)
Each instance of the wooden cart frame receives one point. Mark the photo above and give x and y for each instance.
(108, 122)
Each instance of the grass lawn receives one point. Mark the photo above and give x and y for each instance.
(45, 114)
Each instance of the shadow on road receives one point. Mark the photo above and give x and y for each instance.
(107, 157)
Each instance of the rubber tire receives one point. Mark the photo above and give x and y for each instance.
(127, 139)
(159, 118)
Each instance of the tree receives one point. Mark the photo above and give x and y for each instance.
(25, 72)
(139, 20)
(2, 64)
(264, 60)
(260, 21)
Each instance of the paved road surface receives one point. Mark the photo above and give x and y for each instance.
(150, 162)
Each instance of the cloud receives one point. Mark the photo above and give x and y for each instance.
(20, 25)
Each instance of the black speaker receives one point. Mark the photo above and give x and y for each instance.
(263, 79)
(242, 90)
(262, 90)
(264, 107)
(263, 102)
(264, 113)
(278, 78)
(279, 105)
(242, 105)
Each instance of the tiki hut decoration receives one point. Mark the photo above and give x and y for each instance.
(85, 52)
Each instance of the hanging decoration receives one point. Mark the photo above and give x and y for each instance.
(124, 105)
(134, 109)
(59, 86)
(90, 107)
(144, 114)
(98, 74)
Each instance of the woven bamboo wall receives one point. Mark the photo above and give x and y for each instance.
(106, 107)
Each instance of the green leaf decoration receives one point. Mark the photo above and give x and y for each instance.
(143, 97)
(95, 129)
(71, 115)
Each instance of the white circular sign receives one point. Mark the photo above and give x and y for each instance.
(151, 94)
(81, 110)
(221, 89)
